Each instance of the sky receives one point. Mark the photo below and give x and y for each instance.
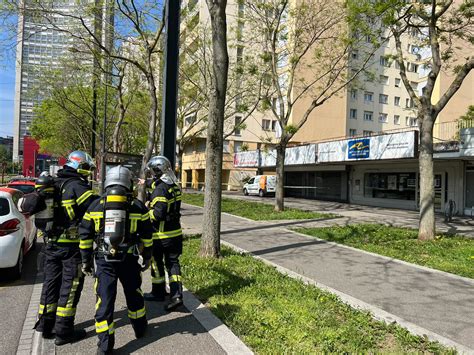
(7, 95)
(7, 77)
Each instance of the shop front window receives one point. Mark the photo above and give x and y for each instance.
(397, 186)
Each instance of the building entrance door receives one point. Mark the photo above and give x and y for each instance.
(440, 191)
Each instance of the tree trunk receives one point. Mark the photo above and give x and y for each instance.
(150, 144)
(118, 125)
(427, 214)
(210, 243)
(280, 174)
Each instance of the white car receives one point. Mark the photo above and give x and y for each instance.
(17, 233)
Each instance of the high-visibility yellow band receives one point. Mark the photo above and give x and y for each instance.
(175, 278)
(167, 234)
(116, 198)
(103, 326)
(68, 202)
(86, 244)
(158, 199)
(66, 312)
(87, 217)
(97, 214)
(158, 280)
(48, 309)
(147, 242)
(84, 196)
(137, 314)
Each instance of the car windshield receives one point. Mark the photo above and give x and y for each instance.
(26, 189)
(4, 207)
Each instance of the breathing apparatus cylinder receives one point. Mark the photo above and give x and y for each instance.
(44, 219)
(116, 217)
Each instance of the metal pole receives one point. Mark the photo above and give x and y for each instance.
(170, 81)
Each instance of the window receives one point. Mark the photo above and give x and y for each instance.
(354, 94)
(226, 147)
(355, 54)
(368, 116)
(384, 61)
(368, 133)
(397, 66)
(397, 186)
(411, 121)
(266, 124)
(412, 67)
(237, 146)
(240, 54)
(368, 38)
(352, 132)
(274, 124)
(190, 119)
(409, 103)
(353, 113)
(396, 119)
(383, 99)
(396, 101)
(368, 96)
(237, 122)
(384, 79)
(383, 117)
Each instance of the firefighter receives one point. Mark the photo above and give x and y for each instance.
(121, 228)
(165, 205)
(63, 279)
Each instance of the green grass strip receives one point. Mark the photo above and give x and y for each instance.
(256, 211)
(275, 314)
(452, 254)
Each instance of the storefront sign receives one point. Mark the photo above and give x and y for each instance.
(358, 148)
(248, 159)
(300, 155)
(387, 146)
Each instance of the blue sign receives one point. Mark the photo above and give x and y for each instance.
(358, 148)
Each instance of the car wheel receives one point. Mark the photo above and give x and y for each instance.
(15, 272)
(261, 193)
(246, 193)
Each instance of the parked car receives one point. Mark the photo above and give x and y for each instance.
(260, 185)
(25, 185)
(17, 233)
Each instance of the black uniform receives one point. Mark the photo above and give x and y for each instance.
(165, 205)
(107, 273)
(63, 280)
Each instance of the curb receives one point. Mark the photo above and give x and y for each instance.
(377, 313)
(226, 339)
(31, 340)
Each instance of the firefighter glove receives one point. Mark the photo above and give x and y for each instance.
(146, 264)
(87, 268)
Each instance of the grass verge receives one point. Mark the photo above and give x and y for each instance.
(256, 211)
(274, 314)
(447, 253)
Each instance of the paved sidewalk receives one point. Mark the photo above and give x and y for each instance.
(351, 214)
(426, 301)
(192, 330)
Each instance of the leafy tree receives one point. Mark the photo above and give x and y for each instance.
(469, 116)
(307, 47)
(441, 42)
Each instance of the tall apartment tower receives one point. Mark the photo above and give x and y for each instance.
(40, 46)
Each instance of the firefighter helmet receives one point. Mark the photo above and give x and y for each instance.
(161, 168)
(118, 175)
(81, 162)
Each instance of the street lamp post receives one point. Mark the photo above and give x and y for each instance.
(170, 81)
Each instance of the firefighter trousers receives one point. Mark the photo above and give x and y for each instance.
(62, 286)
(107, 274)
(166, 253)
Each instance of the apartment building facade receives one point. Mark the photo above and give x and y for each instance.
(242, 131)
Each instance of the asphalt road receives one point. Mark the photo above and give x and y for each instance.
(14, 300)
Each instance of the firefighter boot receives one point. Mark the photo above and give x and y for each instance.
(174, 303)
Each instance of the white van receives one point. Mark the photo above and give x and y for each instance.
(260, 185)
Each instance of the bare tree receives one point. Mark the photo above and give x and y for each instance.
(307, 46)
(131, 33)
(245, 87)
(210, 244)
(442, 33)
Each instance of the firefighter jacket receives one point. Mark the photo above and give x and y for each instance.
(165, 206)
(72, 198)
(92, 229)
